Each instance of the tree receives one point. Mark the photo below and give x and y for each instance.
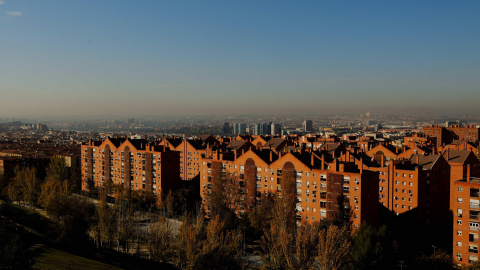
(473, 266)
(74, 213)
(438, 261)
(226, 196)
(57, 169)
(371, 249)
(31, 187)
(333, 247)
(278, 242)
(207, 247)
(161, 240)
(261, 215)
(221, 249)
(56, 184)
(17, 186)
(166, 203)
(189, 242)
(306, 247)
(106, 226)
(51, 192)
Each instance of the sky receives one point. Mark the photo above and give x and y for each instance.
(156, 57)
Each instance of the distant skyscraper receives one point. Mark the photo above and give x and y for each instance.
(275, 129)
(239, 129)
(307, 126)
(257, 129)
(130, 121)
(368, 114)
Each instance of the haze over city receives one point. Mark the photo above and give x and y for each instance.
(108, 58)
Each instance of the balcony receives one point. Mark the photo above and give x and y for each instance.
(473, 238)
(474, 205)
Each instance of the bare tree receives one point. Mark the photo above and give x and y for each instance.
(161, 240)
(333, 248)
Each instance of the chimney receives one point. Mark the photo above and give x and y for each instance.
(382, 162)
(396, 149)
(235, 154)
(271, 156)
(447, 156)
(417, 159)
(468, 173)
(361, 165)
(313, 160)
(323, 162)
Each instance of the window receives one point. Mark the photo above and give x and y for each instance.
(459, 233)
(472, 259)
(459, 221)
(460, 189)
(459, 244)
(473, 226)
(460, 200)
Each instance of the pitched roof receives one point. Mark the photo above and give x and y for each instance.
(117, 141)
(174, 141)
(274, 143)
(456, 156)
(264, 154)
(426, 162)
(197, 144)
(329, 146)
(234, 145)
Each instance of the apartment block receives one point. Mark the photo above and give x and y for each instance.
(446, 135)
(466, 219)
(323, 190)
(135, 164)
(418, 186)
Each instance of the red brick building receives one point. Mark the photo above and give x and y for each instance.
(466, 195)
(134, 164)
(446, 135)
(320, 186)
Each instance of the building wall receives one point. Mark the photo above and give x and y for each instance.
(465, 225)
(151, 169)
(317, 190)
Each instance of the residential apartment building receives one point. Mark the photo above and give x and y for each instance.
(466, 219)
(460, 161)
(323, 190)
(446, 135)
(418, 186)
(134, 164)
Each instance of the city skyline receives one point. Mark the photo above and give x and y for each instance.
(90, 58)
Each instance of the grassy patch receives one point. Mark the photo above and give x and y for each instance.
(50, 258)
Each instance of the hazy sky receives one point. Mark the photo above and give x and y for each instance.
(210, 57)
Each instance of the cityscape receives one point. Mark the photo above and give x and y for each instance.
(272, 135)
